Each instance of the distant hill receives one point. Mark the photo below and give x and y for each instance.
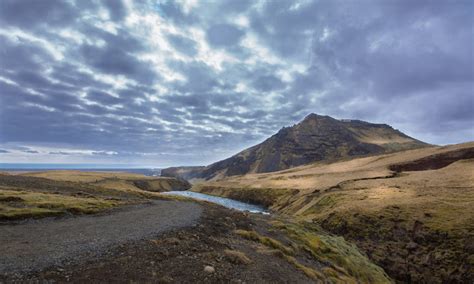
(183, 172)
(316, 138)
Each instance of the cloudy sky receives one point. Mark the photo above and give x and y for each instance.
(189, 82)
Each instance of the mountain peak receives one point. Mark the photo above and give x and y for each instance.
(314, 116)
(315, 138)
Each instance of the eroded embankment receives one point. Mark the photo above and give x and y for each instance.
(415, 222)
(266, 197)
(434, 162)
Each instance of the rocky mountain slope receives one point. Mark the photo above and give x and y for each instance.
(316, 138)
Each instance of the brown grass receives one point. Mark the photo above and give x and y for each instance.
(345, 264)
(318, 190)
(237, 257)
(363, 200)
(87, 177)
(22, 204)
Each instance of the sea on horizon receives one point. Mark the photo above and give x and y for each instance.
(31, 167)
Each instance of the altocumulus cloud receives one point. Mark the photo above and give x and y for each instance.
(190, 82)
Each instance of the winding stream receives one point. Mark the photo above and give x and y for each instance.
(226, 202)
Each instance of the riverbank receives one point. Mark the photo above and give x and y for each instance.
(167, 241)
(411, 212)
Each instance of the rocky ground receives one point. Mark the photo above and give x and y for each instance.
(143, 236)
(37, 244)
(218, 246)
(207, 252)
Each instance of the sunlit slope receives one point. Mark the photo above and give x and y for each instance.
(321, 177)
(115, 180)
(57, 193)
(416, 205)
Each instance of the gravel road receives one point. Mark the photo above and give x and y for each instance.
(39, 244)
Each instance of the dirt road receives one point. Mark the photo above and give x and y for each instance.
(39, 244)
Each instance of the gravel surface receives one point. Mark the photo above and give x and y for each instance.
(39, 244)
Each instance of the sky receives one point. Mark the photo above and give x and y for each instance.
(167, 83)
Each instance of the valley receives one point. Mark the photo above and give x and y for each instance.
(411, 211)
(237, 141)
(145, 236)
(402, 212)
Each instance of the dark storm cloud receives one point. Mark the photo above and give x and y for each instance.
(267, 83)
(183, 44)
(15, 94)
(397, 53)
(199, 77)
(59, 153)
(384, 53)
(35, 14)
(277, 21)
(233, 7)
(114, 60)
(102, 97)
(69, 74)
(122, 39)
(116, 8)
(22, 54)
(103, 153)
(222, 35)
(174, 12)
(4, 151)
(31, 79)
(111, 78)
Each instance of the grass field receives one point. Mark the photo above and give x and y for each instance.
(56, 193)
(416, 205)
(21, 204)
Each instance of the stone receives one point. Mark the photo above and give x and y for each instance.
(209, 269)
(412, 246)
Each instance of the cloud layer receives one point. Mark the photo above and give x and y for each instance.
(186, 82)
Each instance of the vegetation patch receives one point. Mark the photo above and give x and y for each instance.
(237, 257)
(325, 203)
(24, 204)
(341, 262)
(311, 273)
(343, 259)
(410, 247)
(266, 197)
(269, 242)
(281, 251)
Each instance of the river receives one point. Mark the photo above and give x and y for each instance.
(226, 202)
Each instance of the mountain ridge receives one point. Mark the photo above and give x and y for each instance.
(315, 138)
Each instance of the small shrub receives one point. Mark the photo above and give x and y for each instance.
(237, 257)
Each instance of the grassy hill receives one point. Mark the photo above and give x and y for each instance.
(412, 212)
(58, 193)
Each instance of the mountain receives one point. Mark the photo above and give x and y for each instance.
(316, 138)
